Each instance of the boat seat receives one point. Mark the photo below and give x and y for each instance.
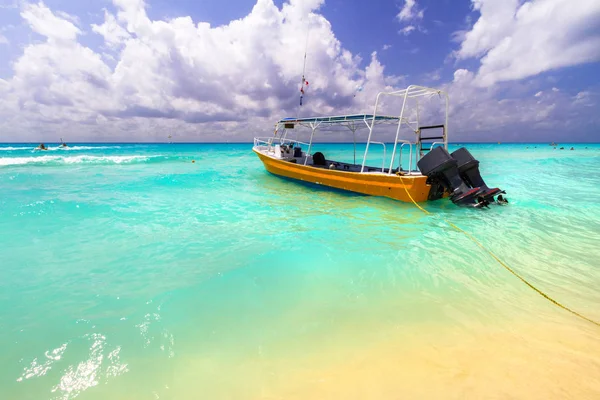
(319, 159)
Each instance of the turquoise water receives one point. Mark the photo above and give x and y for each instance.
(187, 271)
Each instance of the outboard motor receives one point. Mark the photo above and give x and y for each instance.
(442, 169)
(468, 168)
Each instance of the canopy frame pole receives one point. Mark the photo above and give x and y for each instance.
(354, 139)
(362, 168)
(398, 132)
(416, 133)
(284, 137)
(446, 124)
(313, 126)
(352, 126)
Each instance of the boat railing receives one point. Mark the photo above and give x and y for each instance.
(267, 141)
(270, 141)
(410, 154)
(383, 162)
(411, 92)
(434, 143)
(298, 142)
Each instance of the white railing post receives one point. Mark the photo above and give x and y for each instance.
(404, 142)
(446, 125)
(314, 126)
(362, 168)
(398, 130)
(384, 151)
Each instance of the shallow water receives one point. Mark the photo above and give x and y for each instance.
(131, 272)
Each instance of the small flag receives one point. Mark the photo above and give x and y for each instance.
(304, 82)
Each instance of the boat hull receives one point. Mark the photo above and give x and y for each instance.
(384, 185)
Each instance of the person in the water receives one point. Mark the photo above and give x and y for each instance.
(42, 147)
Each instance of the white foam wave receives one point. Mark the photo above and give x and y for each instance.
(14, 148)
(75, 148)
(58, 148)
(7, 161)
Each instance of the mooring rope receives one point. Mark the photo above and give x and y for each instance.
(502, 263)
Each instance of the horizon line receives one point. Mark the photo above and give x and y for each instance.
(225, 143)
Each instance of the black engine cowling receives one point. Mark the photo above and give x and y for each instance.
(468, 167)
(442, 169)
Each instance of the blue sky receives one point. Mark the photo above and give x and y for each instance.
(139, 70)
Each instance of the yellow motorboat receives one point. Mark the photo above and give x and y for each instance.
(429, 173)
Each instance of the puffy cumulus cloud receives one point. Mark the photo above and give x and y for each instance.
(494, 24)
(56, 81)
(43, 21)
(58, 77)
(517, 40)
(113, 33)
(179, 73)
(151, 78)
(503, 111)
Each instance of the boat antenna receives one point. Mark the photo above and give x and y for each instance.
(304, 82)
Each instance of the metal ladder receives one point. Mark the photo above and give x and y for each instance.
(420, 138)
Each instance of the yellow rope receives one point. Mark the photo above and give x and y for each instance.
(556, 303)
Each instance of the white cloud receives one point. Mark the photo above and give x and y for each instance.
(386, 47)
(113, 33)
(407, 30)
(13, 4)
(43, 21)
(494, 24)
(3, 39)
(489, 110)
(584, 98)
(73, 18)
(517, 40)
(410, 14)
(231, 81)
(433, 76)
(183, 72)
(410, 11)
